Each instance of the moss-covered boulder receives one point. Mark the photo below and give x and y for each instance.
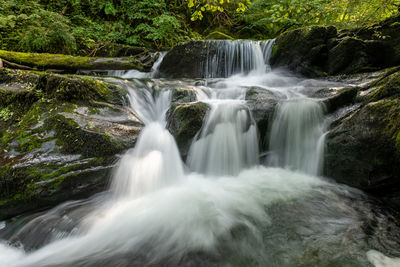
(318, 51)
(303, 50)
(59, 138)
(187, 60)
(363, 147)
(184, 122)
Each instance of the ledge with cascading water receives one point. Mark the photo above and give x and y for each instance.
(226, 206)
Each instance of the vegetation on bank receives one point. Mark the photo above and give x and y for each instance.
(88, 27)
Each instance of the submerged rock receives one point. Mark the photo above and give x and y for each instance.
(59, 138)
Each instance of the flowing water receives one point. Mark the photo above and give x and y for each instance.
(222, 207)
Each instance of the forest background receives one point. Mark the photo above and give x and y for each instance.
(83, 27)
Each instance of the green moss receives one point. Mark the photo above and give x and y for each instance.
(58, 61)
(5, 114)
(387, 87)
(251, 93)
(219, 36)
(387, 113)
(93, 111)
(186, 120)
(75, 140)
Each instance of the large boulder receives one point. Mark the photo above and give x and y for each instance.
(60, 136)
(363, 147)
(186, 60)
(318, 51)
(303, 50)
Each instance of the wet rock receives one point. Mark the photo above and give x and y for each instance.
(184, 60)
(262, 106)
(59, 139)
(184, 122)
(342, 97)
(363, 146)
(183, 95)
(363, 150)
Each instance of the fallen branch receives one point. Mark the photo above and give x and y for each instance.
(12, 65)
(45, 61)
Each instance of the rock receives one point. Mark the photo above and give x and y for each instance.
(303, 50)
(59, 138)
(363, 150)
(183, 95)
(179, 62)
(318, 51)
(262, 106)
(184, 122)
(343, 97)
(363, 147)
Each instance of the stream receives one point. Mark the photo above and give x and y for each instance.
(231, 202)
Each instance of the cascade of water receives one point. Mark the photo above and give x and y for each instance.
(226, 58)
(227, 142)
(130, 74)
(155, 160)
(297, 135)
(243, 220)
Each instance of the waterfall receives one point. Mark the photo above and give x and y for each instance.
(227, 142)
(297, 136)
(225, 209)
(155, 161)
(226, 58)
(130, 74)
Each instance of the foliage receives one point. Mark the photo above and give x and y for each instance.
(270, 17)
(201, 6)
(85, 26)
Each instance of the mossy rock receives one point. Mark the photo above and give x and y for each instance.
(387, 87)
(184, 122)
(303, 50)
(343, 97)
(59, 139)
(363, 150)
(185, 60)
(318, 51)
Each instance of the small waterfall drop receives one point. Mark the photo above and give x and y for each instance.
(135, 74)
(155, 161)
(226, 58)
(297, 136)
(227, 142)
